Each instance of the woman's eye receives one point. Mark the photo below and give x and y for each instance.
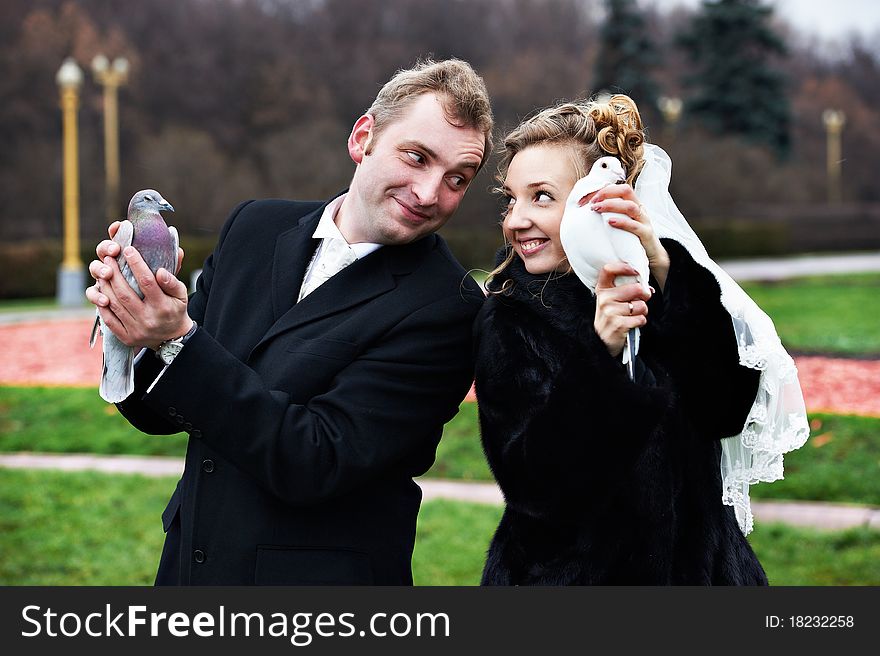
(543, 197)
(506, 204)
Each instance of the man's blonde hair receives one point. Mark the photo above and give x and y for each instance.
(462, 92)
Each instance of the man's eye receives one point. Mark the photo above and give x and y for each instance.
(458, 181)
(415, 157)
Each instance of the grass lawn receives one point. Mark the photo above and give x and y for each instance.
(823, 313)
(840, 462)
(73, 420)
(83, 528)
(22, 304)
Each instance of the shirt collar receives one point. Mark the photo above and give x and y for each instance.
(327, 229)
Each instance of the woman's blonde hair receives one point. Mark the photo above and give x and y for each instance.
(592, 129)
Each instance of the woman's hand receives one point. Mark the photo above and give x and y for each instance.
(621, 199)
(618, 309)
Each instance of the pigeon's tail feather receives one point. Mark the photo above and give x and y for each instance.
(96, 328)
(117, 377)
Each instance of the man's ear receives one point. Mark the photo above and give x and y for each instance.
(360, 138)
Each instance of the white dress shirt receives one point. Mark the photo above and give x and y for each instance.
(334, 253)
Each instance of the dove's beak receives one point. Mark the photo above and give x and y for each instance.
(166, 207)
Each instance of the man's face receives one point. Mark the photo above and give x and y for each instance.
(410, 177)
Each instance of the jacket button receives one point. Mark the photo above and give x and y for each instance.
(187, 426)
(179, 420)
(199, 556)
(196, 433)
(208, 465)
(172, 412)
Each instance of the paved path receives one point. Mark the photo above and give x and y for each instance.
(808, 265)
(816, 515)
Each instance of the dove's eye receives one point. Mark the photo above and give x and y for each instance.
(149, 198)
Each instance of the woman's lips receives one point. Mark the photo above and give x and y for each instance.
(531, 246)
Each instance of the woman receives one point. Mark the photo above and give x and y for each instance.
(609, 480)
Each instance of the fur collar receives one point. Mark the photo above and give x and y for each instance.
(560, 299)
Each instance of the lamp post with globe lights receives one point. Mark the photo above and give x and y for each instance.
(111, 76)
(71, 274)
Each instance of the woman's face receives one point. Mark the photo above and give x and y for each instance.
(538, 182)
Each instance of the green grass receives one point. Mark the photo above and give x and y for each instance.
(460, 454)
(84, 528)
(831, 314)
(80, 528)
(451, 542)
(799, 556)
(73, 420)
(840, 462)
(20, 304)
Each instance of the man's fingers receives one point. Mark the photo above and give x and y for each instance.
(141, 272)
(99, 270)
(113, 228)
(95, 297)
(106, 248)
(112, 323)
(170, 285)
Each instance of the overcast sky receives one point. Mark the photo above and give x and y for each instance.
(828, 19)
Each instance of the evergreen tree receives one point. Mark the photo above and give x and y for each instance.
(735, 89)
(626, 54)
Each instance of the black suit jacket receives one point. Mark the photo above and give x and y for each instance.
(308, 421)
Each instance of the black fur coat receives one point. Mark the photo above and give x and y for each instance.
(609, 481)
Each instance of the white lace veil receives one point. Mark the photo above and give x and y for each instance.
(777, 421)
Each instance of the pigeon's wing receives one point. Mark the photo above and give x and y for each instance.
(124, 237)
(175, 246)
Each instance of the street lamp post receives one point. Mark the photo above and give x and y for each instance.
(111, 77)
(834, 120)
(71, 275)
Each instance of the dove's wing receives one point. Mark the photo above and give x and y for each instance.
(582, 234)
(627, 248)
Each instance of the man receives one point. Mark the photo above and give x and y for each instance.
(312, 397)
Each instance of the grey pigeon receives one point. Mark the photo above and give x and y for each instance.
(145, 230)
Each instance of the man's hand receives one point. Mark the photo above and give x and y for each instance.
(159, 316)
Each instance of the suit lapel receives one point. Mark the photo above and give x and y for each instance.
(293, 250)
(357, 283)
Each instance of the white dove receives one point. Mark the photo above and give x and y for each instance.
(146, 230)
(590, 242)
